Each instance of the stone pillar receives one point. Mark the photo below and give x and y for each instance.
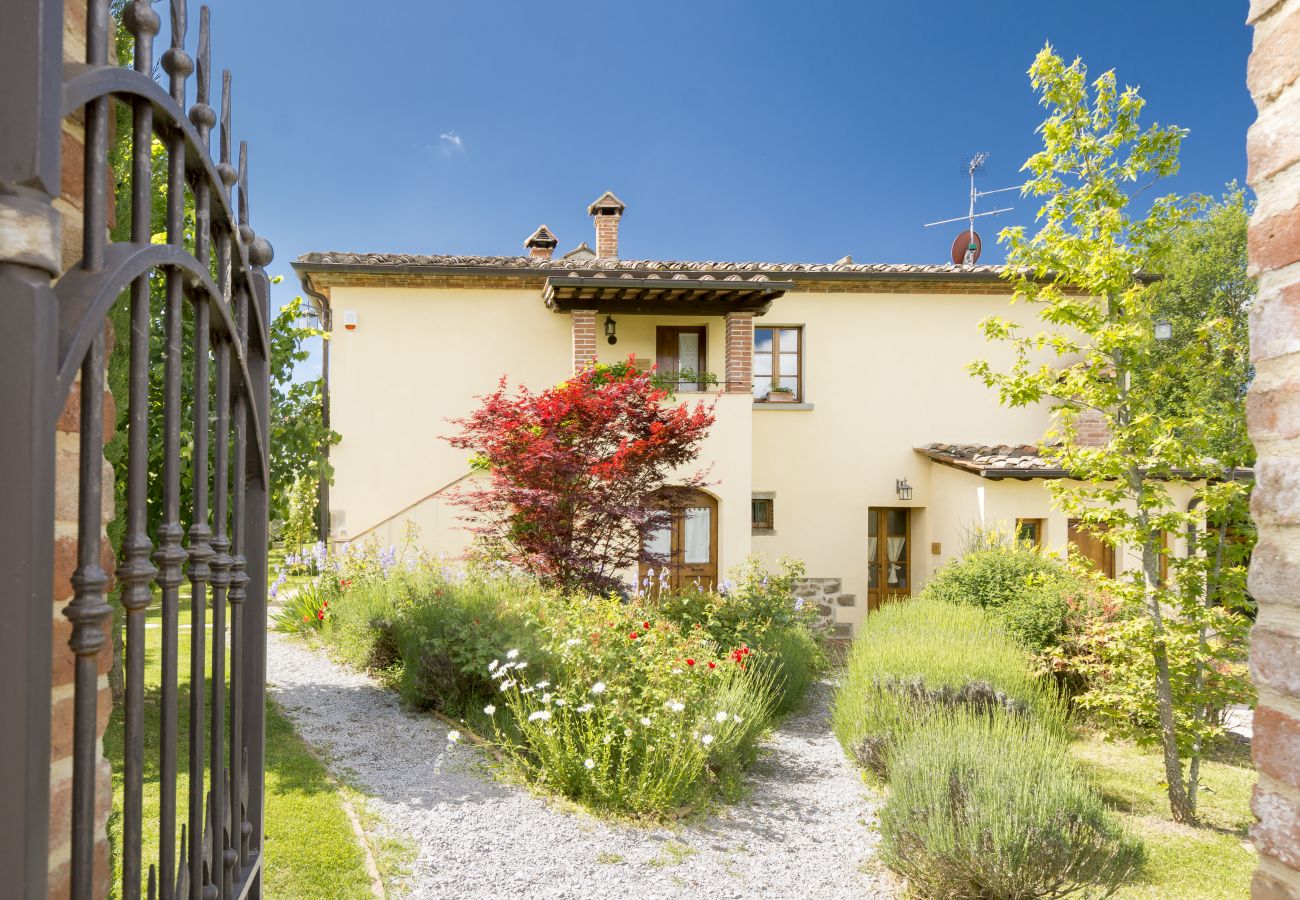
(1273, 148)
(584, 338)
(738, 369)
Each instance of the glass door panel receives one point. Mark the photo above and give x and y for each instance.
(889, 555)
(697, 546)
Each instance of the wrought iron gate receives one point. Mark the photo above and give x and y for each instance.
(52, 344)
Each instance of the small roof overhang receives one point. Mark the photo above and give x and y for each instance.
(662, 294)
(1022, 461)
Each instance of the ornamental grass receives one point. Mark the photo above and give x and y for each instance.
(984, 806)
(914, 660)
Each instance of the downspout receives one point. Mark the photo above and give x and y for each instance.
(325, 314)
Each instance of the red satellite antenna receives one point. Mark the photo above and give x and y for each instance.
(967, 246)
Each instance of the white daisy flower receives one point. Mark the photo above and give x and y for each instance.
(572, 642)
(735, 718)
(627, 732)
(675, 706)
(453, 737)
(542, 684)
(490, 709)
(589, 763)
(706, 740)
(492, 666)
(542, 714)
(521, 665)
(720, 716)
(559, 701)
(586, 707)
(608, 738)
(598, 687)
(512, 654)
(645, 720)
(546, 698)
(507, 685)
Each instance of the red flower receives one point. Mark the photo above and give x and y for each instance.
(737, 655)
(321, 615)
(326, 604)
(306, 618)
(690, 662)
(633, 636)
(645, 625)
(713, 665)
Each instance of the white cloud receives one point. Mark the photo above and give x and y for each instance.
(450, 143)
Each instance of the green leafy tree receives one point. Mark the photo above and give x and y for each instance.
(1088, 271)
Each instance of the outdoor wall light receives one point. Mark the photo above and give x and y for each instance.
(903, 488)
(610, 327)
(1164, 330)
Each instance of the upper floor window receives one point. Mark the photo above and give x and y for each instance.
(778, 364)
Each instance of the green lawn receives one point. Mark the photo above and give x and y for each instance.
(311, 851)
(1211, 861)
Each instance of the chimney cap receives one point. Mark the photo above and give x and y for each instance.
(606, 205)
(542, 238)
(582, 251)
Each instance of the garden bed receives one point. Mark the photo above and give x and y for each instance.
(633, 706)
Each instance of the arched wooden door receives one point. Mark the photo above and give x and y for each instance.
(689, 542)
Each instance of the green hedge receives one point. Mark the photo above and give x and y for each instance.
(1028, 591)
(993, 806)
(916, 659)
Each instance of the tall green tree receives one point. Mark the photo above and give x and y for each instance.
(1171, 408)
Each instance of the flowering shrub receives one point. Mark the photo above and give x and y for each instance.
(618, 704)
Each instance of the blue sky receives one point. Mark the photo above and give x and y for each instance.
(747, 130)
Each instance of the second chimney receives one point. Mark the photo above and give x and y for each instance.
(607, 210)
(541, 243)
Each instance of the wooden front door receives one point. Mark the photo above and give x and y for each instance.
(689, 542)
(889, 555)
(1091, 547)
(680, 348)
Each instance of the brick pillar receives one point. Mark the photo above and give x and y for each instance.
(739, 363)
(584, 338)
(67, 460)
(1273, 148)
(1090, 429)
(607, 236)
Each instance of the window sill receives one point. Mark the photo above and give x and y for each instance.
(783, 406)
(765, 532)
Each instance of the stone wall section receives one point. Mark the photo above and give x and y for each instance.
(1273, 147)
(828, 596)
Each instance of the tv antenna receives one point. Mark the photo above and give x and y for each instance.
(966, 247)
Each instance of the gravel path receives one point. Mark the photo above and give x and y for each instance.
(805, 830)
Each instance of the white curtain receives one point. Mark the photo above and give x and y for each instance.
(894, 547)
(698, 537)
(659, 544)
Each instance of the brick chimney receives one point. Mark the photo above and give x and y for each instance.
(607, 210)
(541, 243)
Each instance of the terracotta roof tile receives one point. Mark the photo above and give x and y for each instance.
(380, 260)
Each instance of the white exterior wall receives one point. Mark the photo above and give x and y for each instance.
(884, 373)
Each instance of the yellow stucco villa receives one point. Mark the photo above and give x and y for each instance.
(848, 433)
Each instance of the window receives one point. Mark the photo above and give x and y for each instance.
(778, 362)
(680, 349)
(1030, 531)
(762, 513)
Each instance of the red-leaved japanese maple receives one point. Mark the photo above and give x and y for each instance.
(572, 472)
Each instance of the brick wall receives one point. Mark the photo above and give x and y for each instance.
(67, 448)
(739, 363)
(584, 338)
(1091, 428)
(607, 236)
(1273, 147)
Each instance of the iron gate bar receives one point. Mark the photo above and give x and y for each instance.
(57, 331)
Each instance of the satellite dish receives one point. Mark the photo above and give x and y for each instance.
(966, 249)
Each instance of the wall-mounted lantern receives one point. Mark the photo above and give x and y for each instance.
(1164, 330)
(610, 328)
(903, 488)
